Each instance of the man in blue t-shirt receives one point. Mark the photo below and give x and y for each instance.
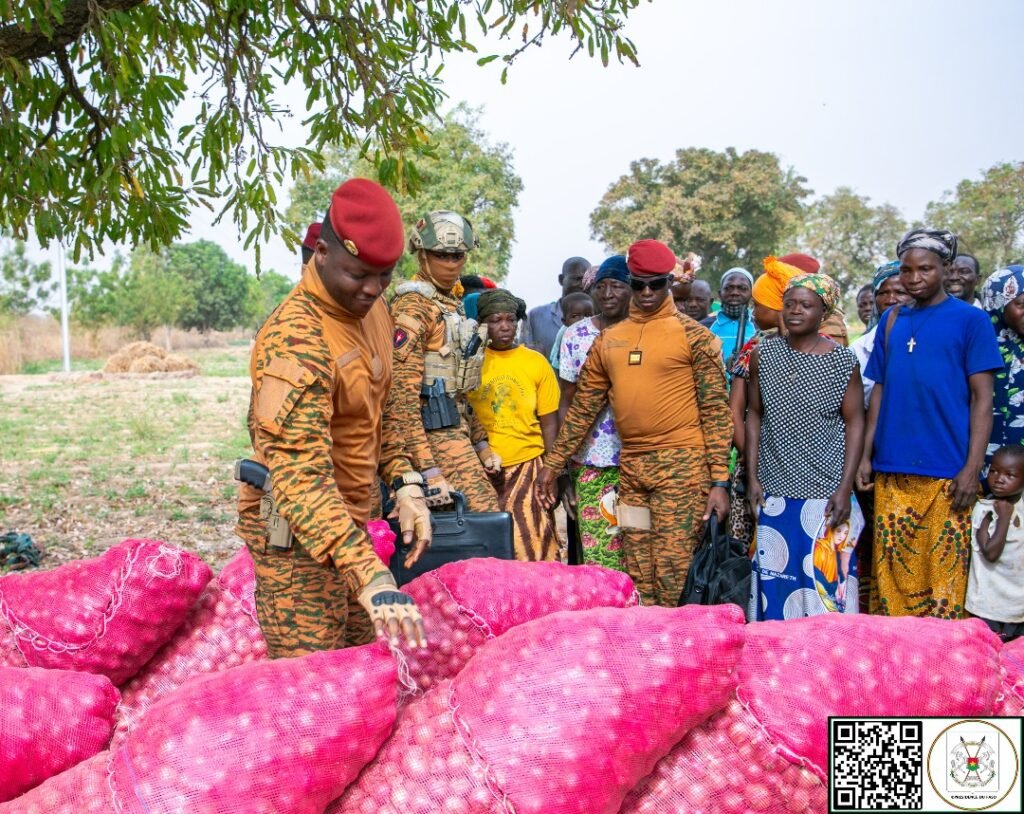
(929, 420)
(734, 291)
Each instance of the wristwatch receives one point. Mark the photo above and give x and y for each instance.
(721, 484)
(408, 479)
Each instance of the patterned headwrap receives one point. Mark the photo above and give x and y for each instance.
(499, 301)
(822, 285)
(687, 267)
(589, 278)
(1000, 290)
(769, 287)
(937, 241)
(882, 273)
(613, 268)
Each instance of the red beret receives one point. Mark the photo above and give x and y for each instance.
(312, 235)
(647, 258)
(366, 220)
(804, 262)
(488, 283)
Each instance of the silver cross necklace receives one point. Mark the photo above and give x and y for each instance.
(912, 343)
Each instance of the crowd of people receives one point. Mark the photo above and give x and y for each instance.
(881, 476)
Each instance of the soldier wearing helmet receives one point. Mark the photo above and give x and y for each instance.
(438, 353)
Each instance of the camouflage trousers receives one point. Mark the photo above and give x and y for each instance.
(673, 484)
(302, 606)
(453, 452)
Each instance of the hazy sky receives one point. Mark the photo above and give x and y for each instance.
(899, 100)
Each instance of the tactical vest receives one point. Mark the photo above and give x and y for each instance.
(450, 363)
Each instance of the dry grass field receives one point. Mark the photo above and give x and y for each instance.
(87, 460)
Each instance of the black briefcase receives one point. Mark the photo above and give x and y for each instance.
(458, 535)
(720, 571)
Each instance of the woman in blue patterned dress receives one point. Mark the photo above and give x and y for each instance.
(804, 436)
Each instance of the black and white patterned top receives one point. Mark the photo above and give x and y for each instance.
(803, 436)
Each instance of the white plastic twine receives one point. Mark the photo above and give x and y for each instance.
(778, 748)
(24, 631)
(476, 755)
(407, 686)
(174, 559)
(469, 613)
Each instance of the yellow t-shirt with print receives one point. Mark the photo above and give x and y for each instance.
(516, 386)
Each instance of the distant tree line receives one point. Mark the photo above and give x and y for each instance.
(186, 285)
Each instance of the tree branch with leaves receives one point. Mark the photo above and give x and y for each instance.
(91, 88)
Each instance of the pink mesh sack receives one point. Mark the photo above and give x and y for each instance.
(563, 714)
(464, 604)
(727, 765)
(106, 615)
(80, 790)
(383, 539)
(221, 632)
(793, 675)
(1011, 693)
(274, 737)
(49, 721)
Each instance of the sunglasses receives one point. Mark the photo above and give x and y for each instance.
(455, 257)
(653, 283)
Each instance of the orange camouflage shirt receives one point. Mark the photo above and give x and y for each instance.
(321, 380)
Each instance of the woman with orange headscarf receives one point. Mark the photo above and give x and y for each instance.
(767, 312)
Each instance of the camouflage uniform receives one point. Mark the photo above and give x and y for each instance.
(431, 335)
(672, 448)
(321, 378)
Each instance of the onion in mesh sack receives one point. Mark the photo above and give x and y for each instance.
(1011, 693)
(221, 632)
(49, 721)
(107, 615)
(727, 765)
(464, 604)
(563, 714)
(794, 674)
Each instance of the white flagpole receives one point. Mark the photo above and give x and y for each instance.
(65, 335)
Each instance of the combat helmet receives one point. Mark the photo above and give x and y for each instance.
(442, 231)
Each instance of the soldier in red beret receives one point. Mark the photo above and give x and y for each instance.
(321, 374)
(309, 242)
(674, 466)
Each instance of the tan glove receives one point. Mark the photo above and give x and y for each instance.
(414, 521)
(437, 490)
(490, 459)
(394, 614)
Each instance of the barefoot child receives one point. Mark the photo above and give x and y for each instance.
(995, 587)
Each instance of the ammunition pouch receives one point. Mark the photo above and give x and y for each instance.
(438, 409)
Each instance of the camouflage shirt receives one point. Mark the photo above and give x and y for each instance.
(662, 373)
(321, 379)
(420, 327)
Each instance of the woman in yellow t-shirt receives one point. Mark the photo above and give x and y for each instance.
(517, 403)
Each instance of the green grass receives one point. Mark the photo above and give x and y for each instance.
(223, 363)
(57, 365)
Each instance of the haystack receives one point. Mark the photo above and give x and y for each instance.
(144, 357)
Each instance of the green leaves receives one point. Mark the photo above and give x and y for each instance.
(86, 135)
(731, 208)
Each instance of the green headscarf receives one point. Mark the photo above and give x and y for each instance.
(822, 285)
(499, 301)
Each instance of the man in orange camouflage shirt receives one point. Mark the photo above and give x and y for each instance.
(321, 372)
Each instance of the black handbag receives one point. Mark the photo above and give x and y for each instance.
(458, 535)
(720, 571)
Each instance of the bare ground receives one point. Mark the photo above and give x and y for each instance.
(87, 460)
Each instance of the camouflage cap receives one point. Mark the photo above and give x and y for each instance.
(442, 231)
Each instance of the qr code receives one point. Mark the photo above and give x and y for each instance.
(876, 765)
